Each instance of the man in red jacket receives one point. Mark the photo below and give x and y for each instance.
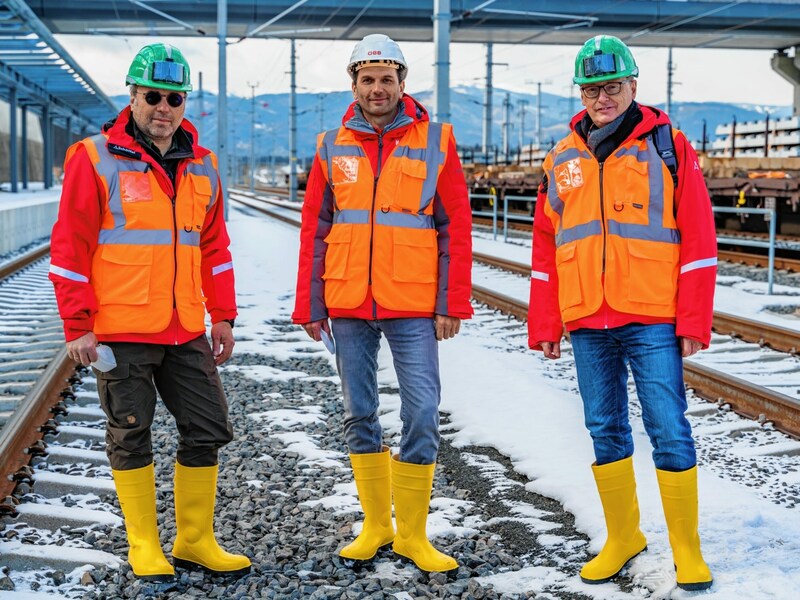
(386, 250)
(139, 247)
(624, 255)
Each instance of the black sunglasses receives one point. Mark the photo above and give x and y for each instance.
(174, 99)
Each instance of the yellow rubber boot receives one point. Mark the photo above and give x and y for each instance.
(411, 486)
(195, 544)
(617, 487)
(136, 489)
(679, 498)
(373, 481)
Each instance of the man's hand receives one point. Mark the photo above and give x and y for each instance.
(551, 350)
(83, 349)
(312, 329)
(446, 327)
(221, 341)
(689, 347)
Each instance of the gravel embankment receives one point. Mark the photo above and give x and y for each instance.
(268, 507)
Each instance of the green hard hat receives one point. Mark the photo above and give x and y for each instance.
(160, 66)
(602, 58)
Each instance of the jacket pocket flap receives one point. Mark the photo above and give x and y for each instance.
(565, 253)
(201, 184)
(124, 254)
(414, 168)
(340, 234)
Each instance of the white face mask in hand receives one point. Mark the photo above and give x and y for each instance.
(105, 359)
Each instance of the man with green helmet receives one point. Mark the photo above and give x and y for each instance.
(139, 255)
(624, 257)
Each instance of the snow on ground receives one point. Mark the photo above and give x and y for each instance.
(529, 410)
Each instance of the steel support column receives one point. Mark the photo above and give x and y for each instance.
(487, 103)
(788, 67)
(441, 42)
(293, 126)
(222, 99)
(23, 155)
(12, 139)
(47, 147)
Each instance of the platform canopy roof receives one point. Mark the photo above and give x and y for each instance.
(764, 24)
(43, 72)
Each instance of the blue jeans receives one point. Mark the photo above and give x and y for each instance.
(416, 361)
(654, 354)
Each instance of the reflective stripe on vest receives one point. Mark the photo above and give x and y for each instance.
(148, 256)
(396, 217)
(619, 242)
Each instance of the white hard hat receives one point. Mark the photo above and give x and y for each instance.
(377, 50)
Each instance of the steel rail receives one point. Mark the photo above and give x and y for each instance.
(776, 337)
(20, 262)
(788, 264)
(745, 398)
(22, 429)
(263, 209)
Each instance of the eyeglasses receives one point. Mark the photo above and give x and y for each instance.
(153, 98)
(611, 89)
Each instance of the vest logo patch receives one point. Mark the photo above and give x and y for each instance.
(345, 169)
(569, 175)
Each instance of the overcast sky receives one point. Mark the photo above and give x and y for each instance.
(699, 75)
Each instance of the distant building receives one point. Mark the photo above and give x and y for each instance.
(775, 138)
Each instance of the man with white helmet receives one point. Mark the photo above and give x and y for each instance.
(386, 250)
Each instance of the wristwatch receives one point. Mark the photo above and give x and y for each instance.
(230, 322)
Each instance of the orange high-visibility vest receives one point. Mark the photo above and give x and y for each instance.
(148, 254)
(616, 219)
(383, 233)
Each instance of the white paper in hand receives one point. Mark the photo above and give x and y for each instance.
(328, 341)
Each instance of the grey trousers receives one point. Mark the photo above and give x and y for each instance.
(186, 378)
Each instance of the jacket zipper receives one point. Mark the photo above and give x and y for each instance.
(603, 226)
(602, 219)
(173, 198)
(372, 220)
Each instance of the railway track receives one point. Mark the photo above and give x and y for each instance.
(52, 467)
(745, 398)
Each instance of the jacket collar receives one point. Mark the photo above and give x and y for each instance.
(121, 140)
(651, 117)
(409, 112)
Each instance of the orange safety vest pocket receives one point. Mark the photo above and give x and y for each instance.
(569, 278)
(197, 274)
(415, 257)
(201, 187)
(404, 186)
(652, 272)
(338, 252)
(629, 199)
(124, 274)
(135, 187)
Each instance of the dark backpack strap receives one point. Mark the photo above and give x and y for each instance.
(665, 146)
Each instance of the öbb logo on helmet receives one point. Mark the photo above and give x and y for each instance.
(374, 53)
